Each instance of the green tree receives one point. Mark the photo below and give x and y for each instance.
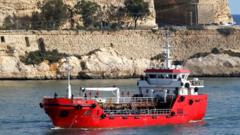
(54, 13)
(89, 11)
(9, 23)
(137, 9)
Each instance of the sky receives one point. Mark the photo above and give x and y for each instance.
(235, 6)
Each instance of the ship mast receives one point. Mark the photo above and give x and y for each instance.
(167, 53)
(69, 93)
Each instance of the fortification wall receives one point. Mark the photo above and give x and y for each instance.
(132, 44)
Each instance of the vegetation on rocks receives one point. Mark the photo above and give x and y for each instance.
(137, 9)
(55, 14)
(226, 31)
(37, 57)
(89, 11)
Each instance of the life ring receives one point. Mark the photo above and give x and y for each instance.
(187, 85)
(196, 89)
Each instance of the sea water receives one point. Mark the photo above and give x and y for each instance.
(237, 19)
(20, 113)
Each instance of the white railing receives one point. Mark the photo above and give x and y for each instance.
(136, 100)
(139, 112)
(123, 100)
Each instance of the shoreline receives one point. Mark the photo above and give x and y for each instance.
(19, 79)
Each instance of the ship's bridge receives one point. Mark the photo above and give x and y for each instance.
(164, 77)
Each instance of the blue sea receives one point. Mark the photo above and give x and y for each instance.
(20, 113)
(237, 19)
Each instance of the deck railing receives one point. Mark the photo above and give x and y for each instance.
(136, 100)
(139, 112)
(124, 100)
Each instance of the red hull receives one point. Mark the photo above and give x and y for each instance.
(65, 113)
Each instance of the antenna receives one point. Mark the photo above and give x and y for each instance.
(69, 79)
(167, 52)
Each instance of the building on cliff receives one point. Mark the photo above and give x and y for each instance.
(193, 12)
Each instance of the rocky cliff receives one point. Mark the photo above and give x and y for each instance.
(101, 63)
(117, 54)
(222, 63)
(25, 8)
(168, 11)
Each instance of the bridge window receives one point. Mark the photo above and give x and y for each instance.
(167, 76)
(161, 76)
(174, 76)
(152, 76)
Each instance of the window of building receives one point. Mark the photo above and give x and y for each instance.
(2, 39)
(152, 76)
(41, 45)
(27, 42)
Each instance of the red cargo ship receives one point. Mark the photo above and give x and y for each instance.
(166, 96)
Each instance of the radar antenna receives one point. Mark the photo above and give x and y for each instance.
(167, 52)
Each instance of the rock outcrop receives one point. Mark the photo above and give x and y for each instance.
(107, 63)
(101, 63)
(222, 63)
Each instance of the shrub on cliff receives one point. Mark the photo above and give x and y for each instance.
(137, 9)
(53, 14)
(89, 12)
(226, 31)
(37, 57)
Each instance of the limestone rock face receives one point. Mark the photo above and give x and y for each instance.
(75, 67)
(12, 68)
(25, 8)
(107, 63)
(215, 65)
(101, 63)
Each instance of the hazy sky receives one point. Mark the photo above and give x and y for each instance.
(235, 6)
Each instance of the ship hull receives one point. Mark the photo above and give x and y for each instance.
(80, 113)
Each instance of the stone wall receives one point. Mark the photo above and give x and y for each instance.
(132, 44)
